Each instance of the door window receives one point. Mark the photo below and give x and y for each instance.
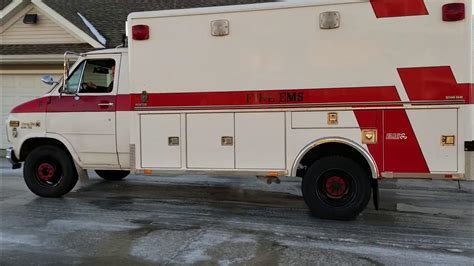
(98, 76)
(92, 76)
(72, 84)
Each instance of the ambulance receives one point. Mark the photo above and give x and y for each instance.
(340, 93)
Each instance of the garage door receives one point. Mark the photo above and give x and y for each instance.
(14, 90)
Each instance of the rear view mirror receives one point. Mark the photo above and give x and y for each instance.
(48, 79)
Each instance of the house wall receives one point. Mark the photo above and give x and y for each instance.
(45, 31)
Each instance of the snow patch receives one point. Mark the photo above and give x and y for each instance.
(199, 247)
(390, 253)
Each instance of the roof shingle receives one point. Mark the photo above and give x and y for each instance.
(4, 3)
(33, 49)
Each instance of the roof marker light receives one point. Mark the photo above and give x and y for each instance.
(140, 32)
(454, 12)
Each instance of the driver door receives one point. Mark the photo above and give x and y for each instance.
(84, 114)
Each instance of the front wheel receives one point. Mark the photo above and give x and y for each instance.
(336, 187)
(112, 175)
(49, 172)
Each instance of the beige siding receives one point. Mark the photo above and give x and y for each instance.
(43, 32)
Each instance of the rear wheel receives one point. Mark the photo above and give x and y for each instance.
(112, 175)
(49, 172)
(336, 187)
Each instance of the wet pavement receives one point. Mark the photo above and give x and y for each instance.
(229, 221)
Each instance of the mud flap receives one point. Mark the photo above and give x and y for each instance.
(375, 193)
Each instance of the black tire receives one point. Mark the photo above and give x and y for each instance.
(112, 175)
(49, 171)
(336, 188)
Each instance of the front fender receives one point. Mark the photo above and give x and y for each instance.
(56, 137)
(68, 146)
(29, 125)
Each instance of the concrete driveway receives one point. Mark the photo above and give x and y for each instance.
(229, 221)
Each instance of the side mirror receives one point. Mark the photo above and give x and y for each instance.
(48, 79)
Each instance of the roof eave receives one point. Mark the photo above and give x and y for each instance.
(73, 29)
(10, 10)
(32, 59)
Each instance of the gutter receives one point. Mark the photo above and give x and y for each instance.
(32, 59)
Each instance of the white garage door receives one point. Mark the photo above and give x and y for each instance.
(15, 89)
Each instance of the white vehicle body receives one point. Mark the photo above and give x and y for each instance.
(275, 90)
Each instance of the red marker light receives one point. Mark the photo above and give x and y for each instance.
(140, 32)
(454, 12)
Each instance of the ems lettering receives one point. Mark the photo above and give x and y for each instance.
(291, 97)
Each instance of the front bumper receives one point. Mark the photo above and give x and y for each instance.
(12, 159)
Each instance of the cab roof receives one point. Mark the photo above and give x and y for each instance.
(108, 51)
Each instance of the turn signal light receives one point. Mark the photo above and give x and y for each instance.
(140, 32)
(454, 12)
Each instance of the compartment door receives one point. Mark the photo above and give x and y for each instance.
(160, 140)
(260, 140)
(210, 140)
(430, 125)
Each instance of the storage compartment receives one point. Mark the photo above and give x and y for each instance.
(260, 140)
(430, 126)
(161, 141)
(210, 140)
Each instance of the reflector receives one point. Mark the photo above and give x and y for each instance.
(140, 32)
(454, 12)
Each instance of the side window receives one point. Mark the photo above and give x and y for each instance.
(98, 76)
(74, 80)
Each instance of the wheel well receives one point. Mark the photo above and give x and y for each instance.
(328, 149)
(33, 143)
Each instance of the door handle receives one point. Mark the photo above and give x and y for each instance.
(105, 104)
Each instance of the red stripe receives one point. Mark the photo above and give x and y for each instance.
(83, 104)
(217, 100)
(67, 103)
(422, 84)
(469, 87)
(398, 8)
(251, 99)
(34, 106)
(434, 84)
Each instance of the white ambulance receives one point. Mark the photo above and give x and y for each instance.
(341, 93)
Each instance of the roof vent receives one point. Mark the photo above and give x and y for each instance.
(30, 19)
